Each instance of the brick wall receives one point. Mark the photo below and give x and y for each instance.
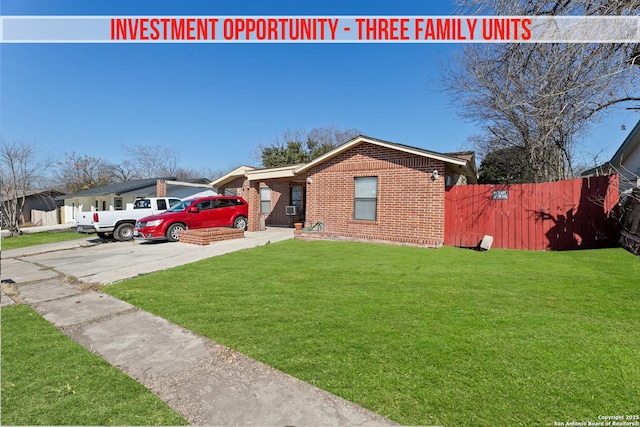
(410, 205)
(280, 195)
(240, 184)
(250, 191)
(205, 236)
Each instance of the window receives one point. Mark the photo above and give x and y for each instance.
(162, 204)
(265, 200)
(296, 196)
(222, 203)
(117, 203)
(205, 205)
(366, 197)
(143, 204)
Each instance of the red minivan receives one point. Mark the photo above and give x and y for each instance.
(202, 212)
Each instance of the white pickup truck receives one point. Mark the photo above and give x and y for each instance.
(119, 224)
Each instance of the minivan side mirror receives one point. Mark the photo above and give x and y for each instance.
(193, 210)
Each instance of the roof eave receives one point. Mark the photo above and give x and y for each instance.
(631, 142)
(239, 172)
(360, 139)
(273, 173)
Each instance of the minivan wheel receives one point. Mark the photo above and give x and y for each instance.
(240, 223)
(173, 232)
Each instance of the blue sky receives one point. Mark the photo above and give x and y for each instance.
(215, 103)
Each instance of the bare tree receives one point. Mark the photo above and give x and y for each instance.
(124, 171)
(322, 140)
(19, 171)
(153, 161)
(542, 97)
(549, 7)
(208, 173)
(82, 172)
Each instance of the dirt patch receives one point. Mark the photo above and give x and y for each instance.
(11, 290)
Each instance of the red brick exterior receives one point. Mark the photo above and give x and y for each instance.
(241, 185)
(253, 200)
(410, 204)
(204, 236)
(161, 188)
(280, 199)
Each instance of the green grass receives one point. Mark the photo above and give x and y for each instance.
(449, 336)
(40, 238)
(47, 379)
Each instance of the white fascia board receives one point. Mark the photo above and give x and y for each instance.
(238, 172)
(272, 173)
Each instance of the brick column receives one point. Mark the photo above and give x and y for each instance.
(161, 188)
(253, 199)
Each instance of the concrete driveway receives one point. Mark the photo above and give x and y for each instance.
(93, 260)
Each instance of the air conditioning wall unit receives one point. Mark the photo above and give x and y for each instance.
(292, 210)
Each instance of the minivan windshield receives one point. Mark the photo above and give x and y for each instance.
(181, 206)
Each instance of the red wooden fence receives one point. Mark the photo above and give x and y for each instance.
(558, 215)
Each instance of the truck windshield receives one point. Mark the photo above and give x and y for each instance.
(181, 206)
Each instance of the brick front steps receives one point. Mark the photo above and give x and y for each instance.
(204, 236)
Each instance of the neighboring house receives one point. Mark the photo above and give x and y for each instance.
(366, 190)
(625, 162)
(122, 195)
(38, 200)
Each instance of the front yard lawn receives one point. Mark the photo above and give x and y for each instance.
(47, 379)
(448, 337)
(40, 238)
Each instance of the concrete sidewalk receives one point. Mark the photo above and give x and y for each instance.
(207, 383)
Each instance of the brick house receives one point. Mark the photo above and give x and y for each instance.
(364, 190)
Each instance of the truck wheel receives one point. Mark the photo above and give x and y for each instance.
(241, 223)
(173, 232)
(123, 232)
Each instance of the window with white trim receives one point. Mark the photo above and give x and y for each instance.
(365, 198)
(265, 200)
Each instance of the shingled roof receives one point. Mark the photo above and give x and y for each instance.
(117, 188)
